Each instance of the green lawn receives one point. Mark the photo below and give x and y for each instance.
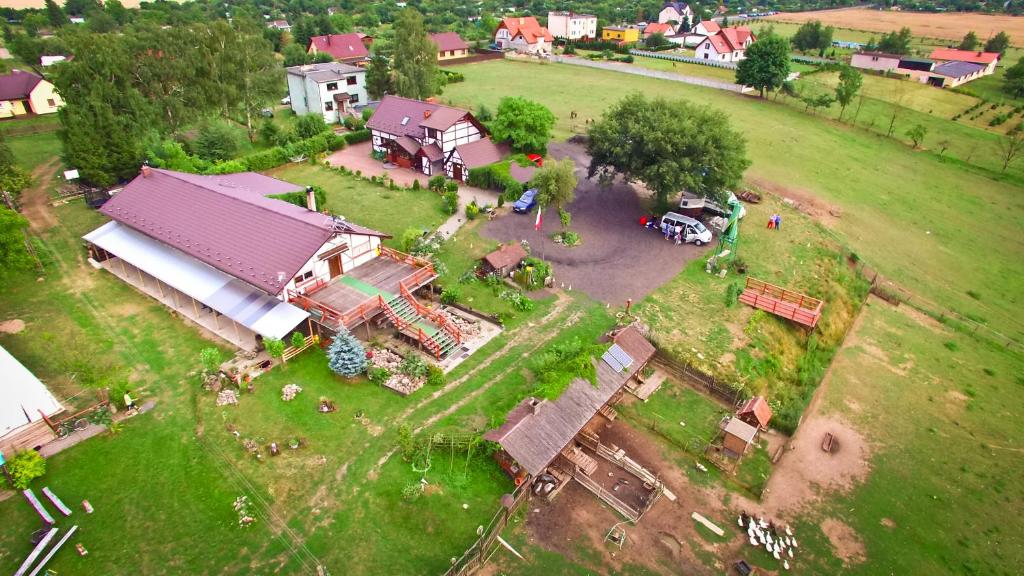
(33, 150)
(683, 68)
(371, 205)
(886, 193)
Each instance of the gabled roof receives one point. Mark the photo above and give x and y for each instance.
(758, 408)
(325, 72)
(633, 343)
(679, 7)
(880, 55)
(343, 47)
(507, 255)
(957, 69)
(227, 222)
(447, 41)
(964, 55)
(719, 43)
(711, 26)
(736, 37)
(18, 84)
(658, 28)
(22, 396)
(481, 152)
(741, 430)
(407, 117)
(528, 27)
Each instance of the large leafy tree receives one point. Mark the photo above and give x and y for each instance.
(970, 41)
(850, 80)
(524, 123)
(1013, 81)
(54, 14)
(669, 145)
(998, 43)
(13, 253)
(13, 178)
(379, 79)
(415, 61)
(896, 42)
(766, 65)
(556, 183)
(812, 36)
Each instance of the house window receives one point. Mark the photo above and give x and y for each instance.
(332, 86)
(51, 103)
(329, 106)
(350, 80)
(405, 120)
(353, 98)
(304, 277)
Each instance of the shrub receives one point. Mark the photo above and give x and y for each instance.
(265, 160)
(472, 210)
(367, 113)
(353, 123)
(378, 375)
(310, 125)
(413, 366)
(513, 190)
(410, 238)
(416, 184)
(451, 186)
(298, 340)
(450, 295)
(274, 346)
(501, 200)
(229, 167)
(216, 142)
(269, 132)
(565, 217)
(357, 137)
(484, 114)
(569, 49)
(451, 202)
(25, 467)
(436, 184)
(435, 376)
(210, 359)
(570, 238)
(299, 198)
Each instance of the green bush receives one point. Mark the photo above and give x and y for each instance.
(450, 295)
(229, 167)
(353, 123)
(25, 467)
(299, 198)
(415, 184)
(367, 113)
(356, 137)
(451, 202)
(298, 340)
(472, 210)
(564, 217)
(265, 160)
(378, 375)
(410, 238)
(310, 125)
(436, 184)
(435, 375)
(513, 190)
(413, 366)
(216, 142)
(451, 186)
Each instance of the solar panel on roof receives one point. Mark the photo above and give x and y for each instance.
(612, 361)
(625, 359)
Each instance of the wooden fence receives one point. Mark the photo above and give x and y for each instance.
(477, 554)
(703, 380)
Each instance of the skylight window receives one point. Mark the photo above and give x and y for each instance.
(405, 120)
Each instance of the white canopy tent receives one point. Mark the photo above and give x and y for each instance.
(22, 396)
(237, 300)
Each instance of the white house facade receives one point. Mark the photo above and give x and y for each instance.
(332, 89)
(419, 135)
(572, 26)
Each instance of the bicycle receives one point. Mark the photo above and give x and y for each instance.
(67, 427)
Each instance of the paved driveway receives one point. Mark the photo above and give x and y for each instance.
(618, 259)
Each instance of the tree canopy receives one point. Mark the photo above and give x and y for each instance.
(379, 79)
(415, 61)
(850, 80)
(13, 253)
(970, 41)
(556, 183)
(1013, 81)
(766, 65)
(812, 36)
(896, 42)
(669, 145)
(524, 123)
(998, 43)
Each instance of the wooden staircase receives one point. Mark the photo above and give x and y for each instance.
(431, 329)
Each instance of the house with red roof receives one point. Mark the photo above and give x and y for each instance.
(523, 34)
(422, 136)
(987, 59)
(728, 45)
(23, 93)
(665, 29)
(249, 257)
(351, 48)
(449, 45)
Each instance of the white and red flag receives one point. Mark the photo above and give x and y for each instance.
(540, 219)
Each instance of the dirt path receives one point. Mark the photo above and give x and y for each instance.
(35, 200)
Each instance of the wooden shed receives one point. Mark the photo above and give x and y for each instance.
(756, 412)
(737, 437)
(505, 259)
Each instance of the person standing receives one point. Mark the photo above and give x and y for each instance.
(778, 222)
(771, 222)
(129, 403)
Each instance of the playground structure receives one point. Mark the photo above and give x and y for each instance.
(782, 302)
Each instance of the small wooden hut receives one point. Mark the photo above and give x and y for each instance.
(505, 259)
(737, 436)
(756, 412)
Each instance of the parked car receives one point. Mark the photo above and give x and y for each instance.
(693, 230)
(286, 100)
(526, 202)
(267, 113)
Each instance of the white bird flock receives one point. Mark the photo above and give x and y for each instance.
(767, 535)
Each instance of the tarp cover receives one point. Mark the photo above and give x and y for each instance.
(239, 301)
(22, 395)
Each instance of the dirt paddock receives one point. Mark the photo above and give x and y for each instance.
(618, 259)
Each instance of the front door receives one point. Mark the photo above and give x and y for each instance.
(334, 264)
(457, 171)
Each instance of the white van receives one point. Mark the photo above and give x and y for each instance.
(693, 230)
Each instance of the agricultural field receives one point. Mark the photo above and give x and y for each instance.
(948, 26)
(855, 193)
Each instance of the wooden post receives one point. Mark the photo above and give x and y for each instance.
(141, 279)
(159, 286)
(195, 307)
(175, 294)
(123, 270)
(216, 322)
(235, 324)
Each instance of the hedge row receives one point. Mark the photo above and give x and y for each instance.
(280, 155)
(495, 177)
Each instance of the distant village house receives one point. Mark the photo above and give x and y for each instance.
(572, 26)
(351, 48)
(449, 45)
(24, 93)
(523, 34)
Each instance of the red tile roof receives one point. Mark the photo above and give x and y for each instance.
(711, 26)
(719, 43)
(658, 28)
(756, 409)
(228, 222)
(528, 27)
(18, 84)
(964, 55)
(481, 153)
(447, 41)
(341, 47)
(507, 255)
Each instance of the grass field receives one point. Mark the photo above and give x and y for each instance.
(948, 26)
(33, 150)
(941, 497)
(885, 193)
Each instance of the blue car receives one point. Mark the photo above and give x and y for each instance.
(526, 202)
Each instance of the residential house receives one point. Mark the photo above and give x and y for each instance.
(572, 26)
(47, 61)
(281, 25)
(222, 252)
(952, 74)
(986, 59)
(346, 48)
(25, 404)
(678, 12)
(23, 93)
(476, 154)
(879, 61)
(523, 34)
(421, 135)
(665, 29)
(729, 45)
(621, 34)
(331, 89)
(706, 28)
(449, 46)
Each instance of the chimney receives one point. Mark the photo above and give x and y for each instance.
(310, 199)
(426, 114)
(535, 405)
(146, 171)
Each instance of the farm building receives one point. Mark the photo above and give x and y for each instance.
(572, 26)
(875, 61)
(449, 45)
(199, 244)
(352, 48)
(987, 59)
(25, 403)
(952, 74)
(551, 442)
(421, 135)
(23, 93)
(523, 34)
(737, 436)
(476, 154)
(755, 412)
(505, 259)
(331, 89)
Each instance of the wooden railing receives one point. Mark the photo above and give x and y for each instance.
(779, 293)
(420, 276)
(434, 316)
(363, 311)
(403, 325)
(621, 507)
(405, 258)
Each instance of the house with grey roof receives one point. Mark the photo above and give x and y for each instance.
(250, 257)
(331, 89)
(422, 135)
